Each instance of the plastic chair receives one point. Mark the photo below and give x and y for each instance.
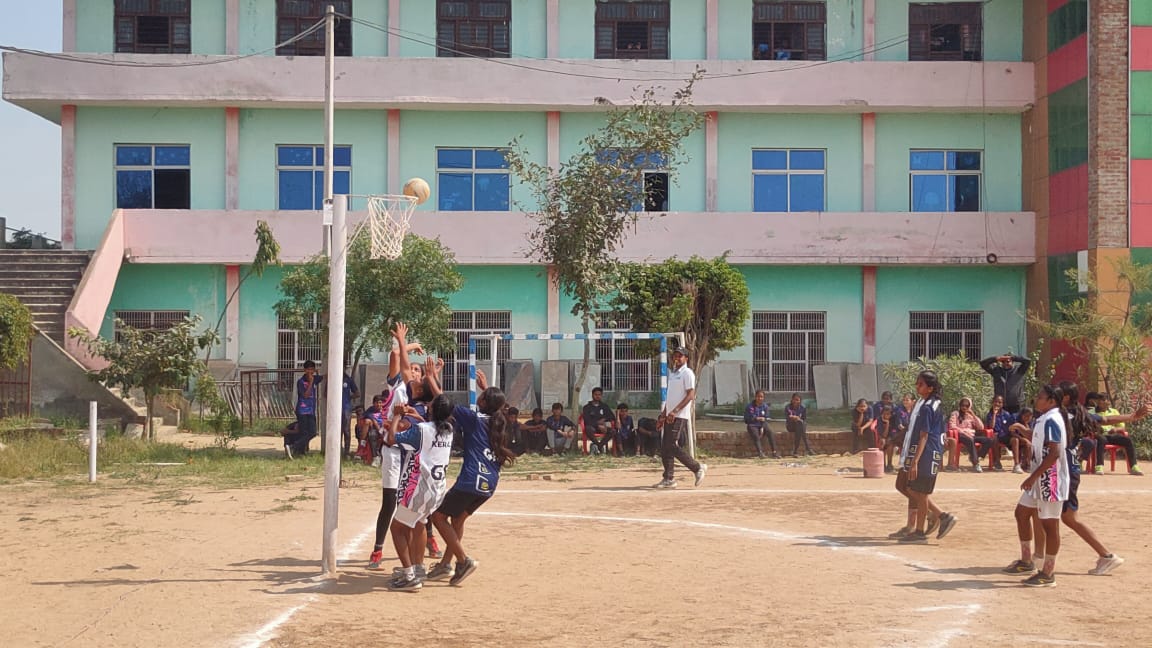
(1112, 450)
(584, 438)
(955, 462)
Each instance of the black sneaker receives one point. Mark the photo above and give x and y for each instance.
(916, 537)
(1020, 567)
(896, 535)
(405, 584)
(1040, 579)
(947, 521)
(463, 570)
(933, 524)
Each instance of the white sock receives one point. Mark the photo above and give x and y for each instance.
(409, 572)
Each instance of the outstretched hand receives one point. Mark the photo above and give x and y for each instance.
(481, 379)
(400, 331)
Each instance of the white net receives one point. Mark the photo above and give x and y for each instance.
(388, 220)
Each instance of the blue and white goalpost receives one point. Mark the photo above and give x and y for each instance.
(547, 337)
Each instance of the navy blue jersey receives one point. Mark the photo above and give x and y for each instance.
(480, 471)
(929, 421)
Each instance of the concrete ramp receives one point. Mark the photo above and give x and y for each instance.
(61, 387)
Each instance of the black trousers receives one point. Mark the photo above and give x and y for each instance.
(671, 452)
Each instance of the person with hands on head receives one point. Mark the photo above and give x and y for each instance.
(1008, 373)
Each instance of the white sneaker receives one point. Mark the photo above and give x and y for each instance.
(376, 462)
(1018, 469)
(700, 474)
(666, 483)
(1105, 564)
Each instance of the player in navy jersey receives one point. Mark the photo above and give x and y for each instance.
(484, 439)
(920, 460)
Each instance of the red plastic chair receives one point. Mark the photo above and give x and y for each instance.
(584, 438)
(955, 462)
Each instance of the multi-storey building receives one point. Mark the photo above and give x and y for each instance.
(885, 173)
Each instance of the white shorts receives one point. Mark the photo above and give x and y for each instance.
(1047, 510)
(410, 518)
(390, 467)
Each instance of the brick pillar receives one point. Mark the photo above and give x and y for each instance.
(1108, 124)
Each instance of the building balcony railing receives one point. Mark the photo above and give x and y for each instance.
(500, 238)
(42, 85)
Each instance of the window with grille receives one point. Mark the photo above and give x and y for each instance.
(630, 29)
(785, 347)
(153, 26)
(473, 28)
(932, 334)
(465, 324)
(946, 31)
(294, 346)
(789, 31)
(295, 16)
(148, 320)
(944, 181)
(621, 367)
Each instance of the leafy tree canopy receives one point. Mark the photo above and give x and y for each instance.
(15, 331)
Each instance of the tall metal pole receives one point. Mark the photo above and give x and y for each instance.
(335, 238)
(329, 118)
(334, 415)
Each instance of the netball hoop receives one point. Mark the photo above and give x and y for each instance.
(389, 217)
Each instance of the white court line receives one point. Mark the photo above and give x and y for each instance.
(791, 491)
(267, 632)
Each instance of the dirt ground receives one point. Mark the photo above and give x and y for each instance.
(763, 554)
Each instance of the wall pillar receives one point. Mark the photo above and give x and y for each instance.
(232, 26)
(553, 312)
(393, 26)
(553, 31)
(68, 41)
(869, 30)
(231, 158)
(868, 274)
(68, 177)
(1108, 38)
(712, 29)
(868, 169)
(232, 316)
(393, 181)
(553, 144)
(711, 161)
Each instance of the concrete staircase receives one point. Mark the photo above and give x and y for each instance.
(44, 280)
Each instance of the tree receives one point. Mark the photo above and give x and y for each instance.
(584, 209)
(705, 299)
(267, 253)
(413, 288)
(15, 331)
(1110, 333)
(148, 359)
(26, 239)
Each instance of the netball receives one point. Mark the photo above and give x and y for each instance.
(417, 188)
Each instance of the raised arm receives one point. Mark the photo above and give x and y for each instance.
(400, 332)
(432, 368)
(481, 380)
(988, 363)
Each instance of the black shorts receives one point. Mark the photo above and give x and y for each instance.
(926, 472)
(1073, 502)
(458, 502)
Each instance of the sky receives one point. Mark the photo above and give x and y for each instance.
(30, 165)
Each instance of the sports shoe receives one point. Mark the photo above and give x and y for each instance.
(288, 451)
(433, 549)
(1020, 567)
(463, 570)
(406, 584)
(421, 571)
(896, 535)
(700, 474)
(666, 483)
(376, 462)
(1105, 564)
(947, 521)
(951, 468)
(1135, 470)
(1018, 469)
(915, 537)
(997, 468)
(441, 571)
(1099, 470)
(1040, 579)
(375, 559)
(977, 468)
(933, 524)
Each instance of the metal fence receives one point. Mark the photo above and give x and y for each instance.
(263, 393)
(16, 388)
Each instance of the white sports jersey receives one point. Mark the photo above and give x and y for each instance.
(390, 457)
(679, 382)
(1053, 485)
(425, 459)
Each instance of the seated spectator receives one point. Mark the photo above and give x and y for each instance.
(648, 435)
(626, 431)
(1113, 434)
(370, 430)
(963, 425)
(513, 432)
(1020, 440)
(890, 433)
(756, 422)
(863, 427)
(997, 423)
(561, 430)
(797, 425)
(535, 430)
(599, 422)
(885, 399)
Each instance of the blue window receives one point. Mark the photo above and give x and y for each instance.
(655, 194)
(153, 176)
(300, 175)
(788, 180)
(472, 180)
(945, 181)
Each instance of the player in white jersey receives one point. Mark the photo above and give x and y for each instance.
(426, 449)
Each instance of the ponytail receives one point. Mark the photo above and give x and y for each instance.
(440, 411)
(494, 403)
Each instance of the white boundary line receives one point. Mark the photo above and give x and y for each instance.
(790, 491)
